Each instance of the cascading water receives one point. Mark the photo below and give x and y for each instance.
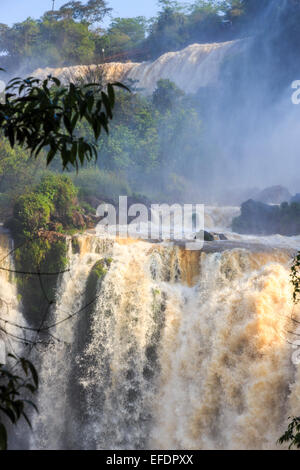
(226, 363)
(196, 66)
(220, 218)
(177, 350)
(171, 349)
(11, 312)
(56, 362)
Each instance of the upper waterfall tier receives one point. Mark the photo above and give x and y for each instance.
(196, 66)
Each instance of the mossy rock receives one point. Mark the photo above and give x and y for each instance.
(75, 246)
(97, 274)
(38, 292)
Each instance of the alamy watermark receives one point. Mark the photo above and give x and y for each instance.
(296, 95)
(159, 222)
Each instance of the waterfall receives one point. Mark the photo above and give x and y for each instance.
(226, 363)
(178, 350)
(168, 349)
(11, 311)
(56, 361)
(220, 218)
(194, 67)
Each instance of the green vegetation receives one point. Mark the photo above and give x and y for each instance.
(42, 216)
(151, 138)
(97, 185)
(53, 201)
(292, 434)
(31, 213)
(58, 38)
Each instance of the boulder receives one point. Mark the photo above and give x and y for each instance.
(256, 218)
(220, 236)
(208, 237)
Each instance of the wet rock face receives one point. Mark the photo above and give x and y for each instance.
(83, 221)
(258, 218)
(52, 236)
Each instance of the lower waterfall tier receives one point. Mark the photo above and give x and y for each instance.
(170, 349)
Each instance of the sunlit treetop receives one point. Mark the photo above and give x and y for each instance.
(94, 11)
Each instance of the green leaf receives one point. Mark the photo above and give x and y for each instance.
(120, 85)
(107, 104)
(9, 413)
(111, 94)
(34, 374)
(29, 402)
(3, 437)
(51, 155)
(24, 365)
(27, 419)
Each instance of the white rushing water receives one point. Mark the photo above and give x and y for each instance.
(11, 312)
(176, 349)
(196, 66)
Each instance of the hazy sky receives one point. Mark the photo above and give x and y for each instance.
(12, 11)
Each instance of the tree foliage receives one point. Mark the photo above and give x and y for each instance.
(16, 381)
(292, 435)
(41, 115)
(91, 12)
(74, 34)
(166, 95)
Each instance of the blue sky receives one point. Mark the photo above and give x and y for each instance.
(12, 11)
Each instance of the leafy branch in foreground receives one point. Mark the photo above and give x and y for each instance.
(295, 278)
(292, 434)
(12, 405)
(38, 115)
